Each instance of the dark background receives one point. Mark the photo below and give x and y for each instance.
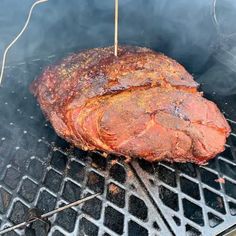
(181, 29)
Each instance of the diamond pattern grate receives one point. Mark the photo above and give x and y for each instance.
(38, 169)
(195, 199)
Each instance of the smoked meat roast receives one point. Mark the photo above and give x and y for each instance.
(138, 104)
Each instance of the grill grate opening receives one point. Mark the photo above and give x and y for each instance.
(59, 161)
(230, 189)
(36, 165)
(57, 233)
(190, 188)
(106, 234)
(19, 212)
(116, 195)
(209, 178)
(46, 201)
(232, 207)
(87, 228)
(12, 177)
(214, 201)
(193, 212)
(62, 144)
(5, 200)
(156, 226)
(37, 228)
(166, 175)
(233, 140)
(76, 171)
(214, 220)
(71, 191)
(191, 231)
(227, 154)
(135, 229)
(169, 198)
(114, 220)
(95, 182)
(98, 161)
(118, 173)
(147, 166)
(177, 220)
(151, 181)
(233, 127)
(137, 207)
(93, 208)
(66, 219)
(53, 180)
(28, 190)
(188, 169)
(227, 169)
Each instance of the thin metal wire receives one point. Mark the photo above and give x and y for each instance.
(116, 27)
(17, 37)
(216, 22)
(214, 14)
(49, 214)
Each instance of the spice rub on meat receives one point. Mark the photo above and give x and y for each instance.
(139, 104)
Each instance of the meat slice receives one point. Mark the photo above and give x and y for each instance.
(139, 104)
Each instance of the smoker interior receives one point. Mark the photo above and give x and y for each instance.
(40, 170)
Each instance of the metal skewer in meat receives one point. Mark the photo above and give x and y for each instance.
(116, 28)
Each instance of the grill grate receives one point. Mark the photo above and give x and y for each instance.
(195, 199)
(39, 169)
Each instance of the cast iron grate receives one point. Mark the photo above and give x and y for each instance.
(197, 200)
(38, 169)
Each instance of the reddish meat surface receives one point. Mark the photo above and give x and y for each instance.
(139, 104)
